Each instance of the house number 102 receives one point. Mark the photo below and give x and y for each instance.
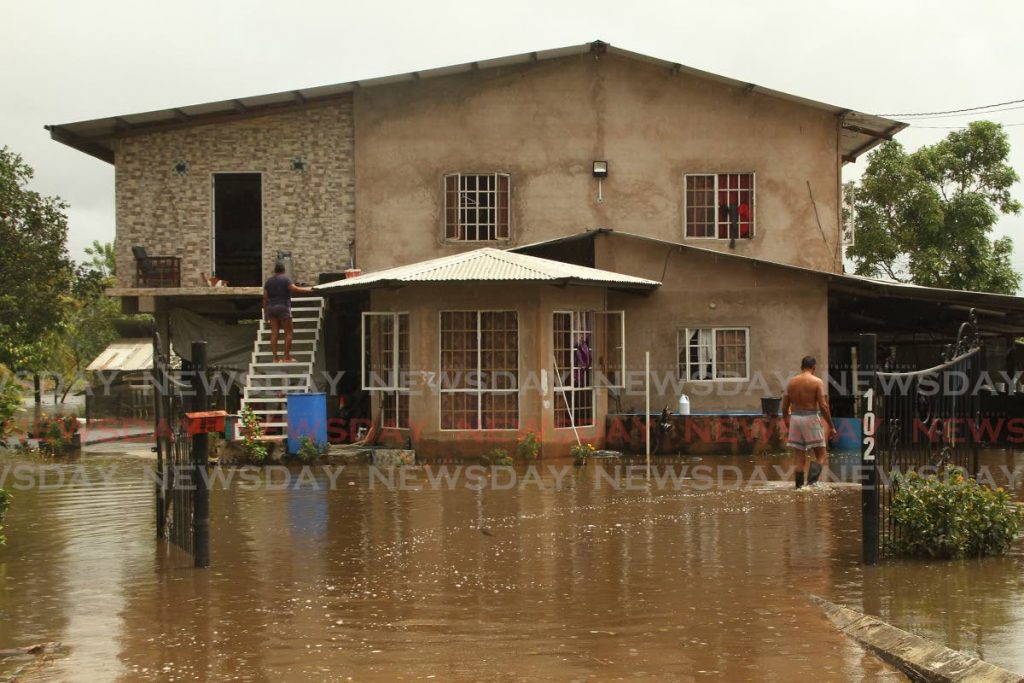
(868, 425)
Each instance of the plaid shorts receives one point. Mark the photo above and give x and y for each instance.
(805, 430)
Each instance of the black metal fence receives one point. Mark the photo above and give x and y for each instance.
(918, 421)
(182, 495)
(181, 491)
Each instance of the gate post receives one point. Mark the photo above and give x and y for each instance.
(200, 460)
(867, 355)
(158, 426)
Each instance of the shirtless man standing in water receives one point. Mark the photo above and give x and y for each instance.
(805, 397)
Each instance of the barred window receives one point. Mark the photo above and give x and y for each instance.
(386, 364)
(574, 368)
(476, 207)
(711, 353)
(590, 353)
(479, 370)
(720, 205)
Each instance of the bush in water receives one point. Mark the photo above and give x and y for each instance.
(950, 516)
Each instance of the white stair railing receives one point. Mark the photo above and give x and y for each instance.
(268, 384)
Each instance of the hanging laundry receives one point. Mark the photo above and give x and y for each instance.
(582, 360)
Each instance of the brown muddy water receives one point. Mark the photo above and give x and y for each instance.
(586, 581)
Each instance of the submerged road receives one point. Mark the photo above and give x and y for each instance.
(343, 578)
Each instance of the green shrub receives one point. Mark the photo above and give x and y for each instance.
(10, 401)
(528, 447)
(5, 501)
(950, 516)
(500, 456)
(56, 433)
(252, 431)
(310, 451)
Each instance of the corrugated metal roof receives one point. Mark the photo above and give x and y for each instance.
(490, 265)
(840, 279)
(860, 132)
(125, 355)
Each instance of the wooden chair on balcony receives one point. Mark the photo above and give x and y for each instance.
(156, 271)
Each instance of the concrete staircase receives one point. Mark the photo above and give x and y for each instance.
(268, 383)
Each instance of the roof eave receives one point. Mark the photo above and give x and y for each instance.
(104, 130)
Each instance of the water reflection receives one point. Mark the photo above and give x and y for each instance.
(585, 582)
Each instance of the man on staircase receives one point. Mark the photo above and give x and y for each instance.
(277, 309)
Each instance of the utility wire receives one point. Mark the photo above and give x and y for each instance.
(956, 111)
(970, 113)
(1004, 125)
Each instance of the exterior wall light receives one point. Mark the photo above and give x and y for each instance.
(600, 172)
(181, 167)
(298, 164)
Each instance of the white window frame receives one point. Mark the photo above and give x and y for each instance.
(444, 207)
(602, 329)
(401, 392)
(479, 361)
(683, 345)
(753, 203)
(568, 391)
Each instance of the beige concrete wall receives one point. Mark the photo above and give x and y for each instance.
(311, 214)
(786, 313)
(545, 123)
(534, 304)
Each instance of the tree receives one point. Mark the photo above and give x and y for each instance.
(34, 266)
(89, 326)
(102, 259)
(926, 217)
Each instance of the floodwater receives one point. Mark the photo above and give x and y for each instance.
(586, 581)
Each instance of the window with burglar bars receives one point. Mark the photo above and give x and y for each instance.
(476, 207)
(386, 364)
(590, 353)
(479, 370)
(719, 205)
(712, 353)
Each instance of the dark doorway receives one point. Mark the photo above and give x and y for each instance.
(238, 228)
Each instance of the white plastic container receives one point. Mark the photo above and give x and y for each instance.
(684, 405)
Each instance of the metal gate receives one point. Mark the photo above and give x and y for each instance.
(918, 421)
(182, 495)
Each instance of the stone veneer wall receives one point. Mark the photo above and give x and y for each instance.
(310, 213)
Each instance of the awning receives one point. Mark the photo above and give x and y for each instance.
(125, 355)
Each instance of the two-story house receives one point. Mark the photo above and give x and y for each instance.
(527, 228)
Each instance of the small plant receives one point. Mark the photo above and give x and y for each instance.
(310, 451)
(500, 456)
(581, 451)
(528, 447)
(5, 502)
(950, 516)
(252, 434)
(56, 434)
(10, 401)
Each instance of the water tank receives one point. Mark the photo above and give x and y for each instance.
(307, 416)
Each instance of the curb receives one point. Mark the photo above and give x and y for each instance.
(920, 659)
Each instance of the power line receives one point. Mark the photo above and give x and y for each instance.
(956, 111)
(1004, 125)
(970, 113)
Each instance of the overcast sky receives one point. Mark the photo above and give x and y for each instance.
(72, 60)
